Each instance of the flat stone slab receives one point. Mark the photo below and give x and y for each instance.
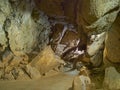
(56, 82)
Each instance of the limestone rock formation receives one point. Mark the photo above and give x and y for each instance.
(46, 60)
(97, 44)
(100, 16)
(24, 33)
(5, 11)
(96, 15)
(19, 30)
(95, 49)
(112, 79)
(112, 43)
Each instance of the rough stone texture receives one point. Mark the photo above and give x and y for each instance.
(112, 43)
(95, 49)
(24, 33)
(8, 76)
(5, 10)
(97, 59)
(46, 60)
(20, 29)
(32, 72)
(112, 79)
(96, 19)
(22, 75)
(81, 83)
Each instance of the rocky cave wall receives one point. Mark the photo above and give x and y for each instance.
(28, 26)
(24, 32)
(90, 17)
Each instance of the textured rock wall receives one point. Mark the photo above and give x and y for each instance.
(93, 17)
(4, 12)
(112, 43)
(20, 30)
(24, 32)
(96, 15)
(103, 16)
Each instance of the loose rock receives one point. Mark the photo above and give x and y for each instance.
(46, 60)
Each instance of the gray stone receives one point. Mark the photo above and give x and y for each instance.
(24, 33)
(97, 44)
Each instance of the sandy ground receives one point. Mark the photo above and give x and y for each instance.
(56, 82)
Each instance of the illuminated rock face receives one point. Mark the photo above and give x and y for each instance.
(20, 31)
(5, 11)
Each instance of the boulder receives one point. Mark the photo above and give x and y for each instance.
(97, 59)
(46, 60)
(32, 72)
(95, 49)
(97, 44)
(4, 13)
(81, 83)
(13, 63)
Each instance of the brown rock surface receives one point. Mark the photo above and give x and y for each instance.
(62, 8)
(46, 60)
(81, 83)
(112, 43)
(32, 72)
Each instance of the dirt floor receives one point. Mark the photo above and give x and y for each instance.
(56, 82)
